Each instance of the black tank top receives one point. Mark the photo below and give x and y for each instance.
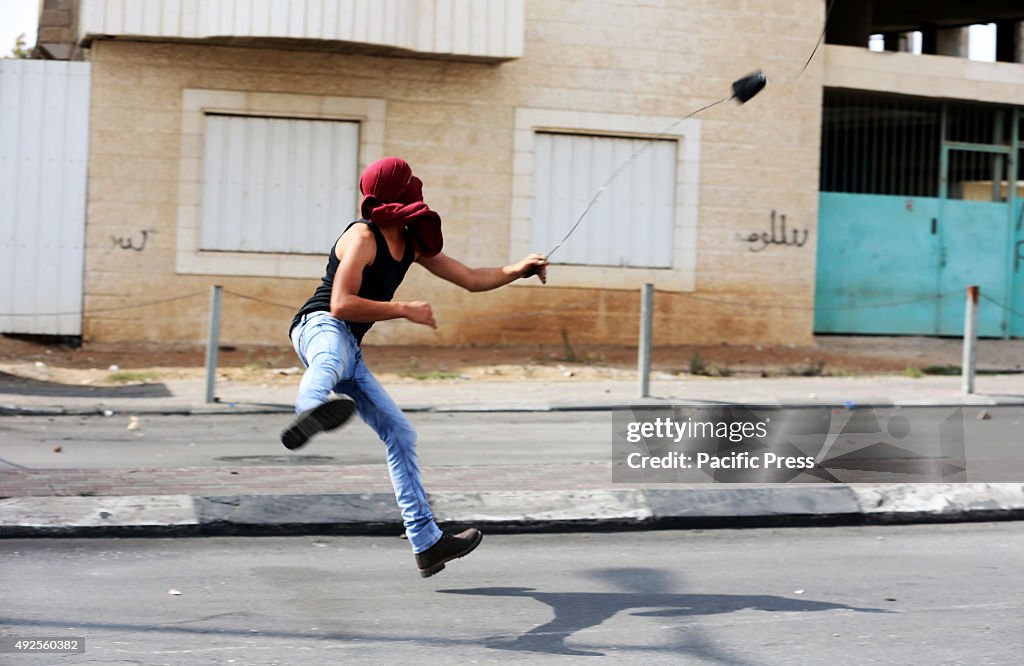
(380, 280)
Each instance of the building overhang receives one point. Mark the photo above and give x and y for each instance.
(941, 77)
(445, 29)
(899, 15)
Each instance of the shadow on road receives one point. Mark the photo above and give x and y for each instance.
(642, 588)
(15, 385)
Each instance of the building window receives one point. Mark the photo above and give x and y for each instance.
(892, 145)
(277, 184)
(880, 144)
(630, 224)
(267, 181)
(643, 228)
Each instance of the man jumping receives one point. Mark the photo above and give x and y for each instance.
(364, 268)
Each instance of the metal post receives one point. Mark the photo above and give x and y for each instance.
(643, 360)
(212, 342)
(970, 338)
(998, 160)
(1012, 176)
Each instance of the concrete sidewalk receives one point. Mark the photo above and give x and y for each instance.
(357, 498)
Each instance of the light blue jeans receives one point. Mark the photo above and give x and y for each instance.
(334, 361)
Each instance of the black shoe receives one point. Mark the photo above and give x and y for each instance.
(322, 418)
(448, 548)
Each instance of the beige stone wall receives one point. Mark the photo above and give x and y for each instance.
(454, 122)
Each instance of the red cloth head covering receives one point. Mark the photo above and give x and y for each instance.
(393, 196)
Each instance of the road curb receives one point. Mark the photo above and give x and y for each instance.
(938, 501)
(511, 511)
(221, 409)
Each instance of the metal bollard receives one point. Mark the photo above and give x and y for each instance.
(643, 360)
(213, 342)
(970, 339)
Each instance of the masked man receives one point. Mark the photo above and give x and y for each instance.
(364, 268)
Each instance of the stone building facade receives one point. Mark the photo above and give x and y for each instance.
(471, 119)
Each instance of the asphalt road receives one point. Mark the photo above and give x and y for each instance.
(188, 441)
(463, 438)
(935, 594)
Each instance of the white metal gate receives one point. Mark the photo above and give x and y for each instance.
(44, 134)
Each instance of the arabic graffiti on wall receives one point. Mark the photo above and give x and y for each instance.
(128, 242)
(776, 234)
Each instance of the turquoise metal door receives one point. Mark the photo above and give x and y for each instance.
(972, 237)
(901, 266)
(878, 264)
(1017, 302)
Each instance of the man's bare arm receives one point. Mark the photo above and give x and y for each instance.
(355, 250)
(484, 279)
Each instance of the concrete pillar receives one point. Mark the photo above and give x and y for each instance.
(55, 38)
(849, 24)
(951, 42)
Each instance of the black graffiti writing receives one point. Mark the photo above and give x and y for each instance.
(128, 243)
(777, 234)
(1019, 256)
